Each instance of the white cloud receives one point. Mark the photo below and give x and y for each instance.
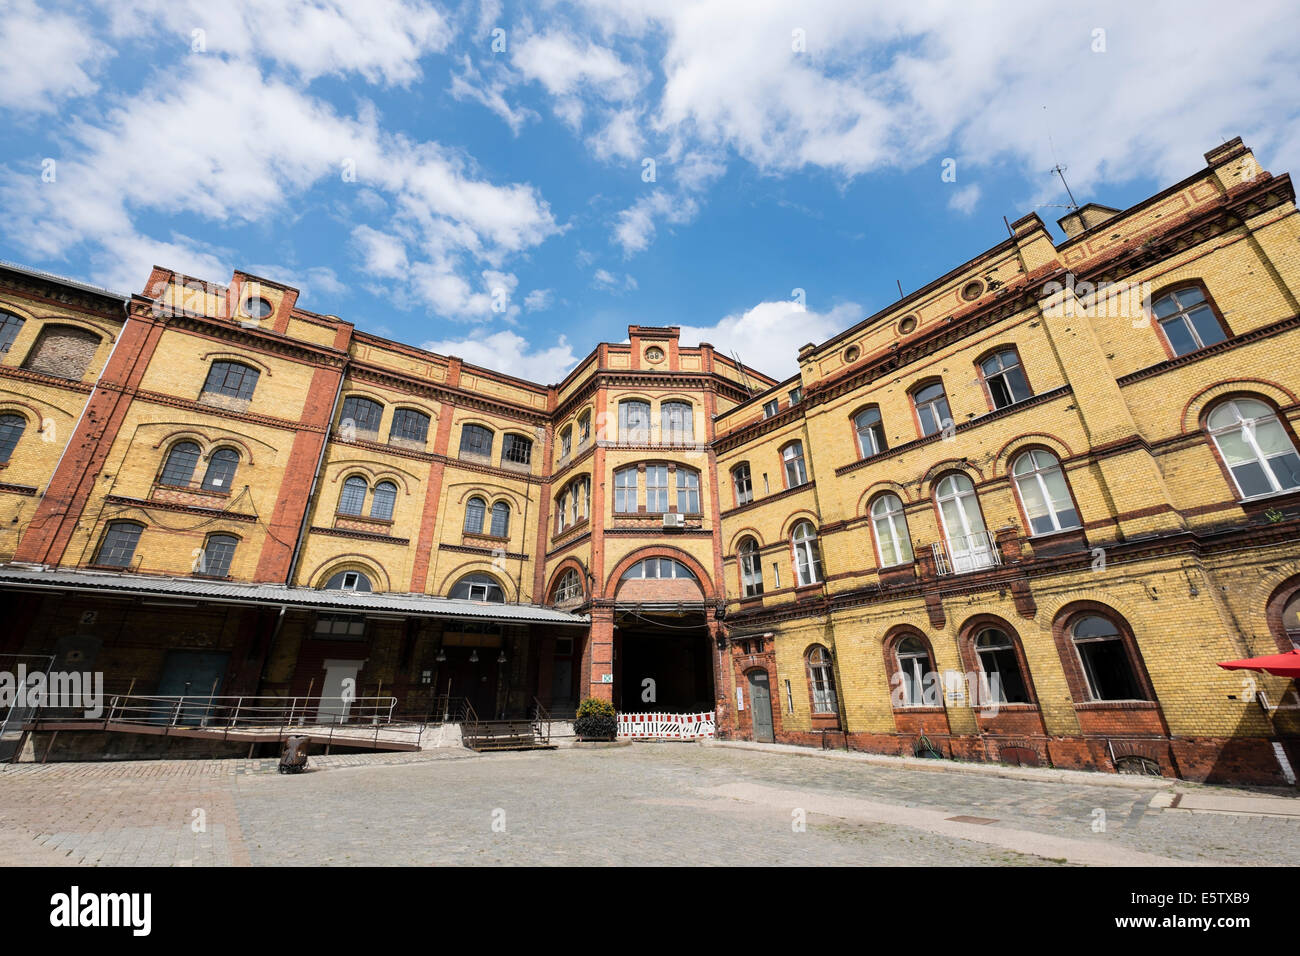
(511, 353)
(539, 300)
(636, 225)
(471, 85)
(608, 282)
(565, 67)
(381, 40)
(45, 57)
(620, 138)
(145, 156)
(768, 336)
(965, 199)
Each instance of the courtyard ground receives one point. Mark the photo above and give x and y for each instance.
(656, 804)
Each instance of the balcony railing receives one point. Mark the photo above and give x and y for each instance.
(963, 553)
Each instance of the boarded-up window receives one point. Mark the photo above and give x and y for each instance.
(62, 351)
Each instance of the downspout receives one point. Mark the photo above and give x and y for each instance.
(315, 481)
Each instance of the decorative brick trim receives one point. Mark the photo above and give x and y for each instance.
(177, 507)
(358, 535)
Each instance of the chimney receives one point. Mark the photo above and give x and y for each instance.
(1085, 217)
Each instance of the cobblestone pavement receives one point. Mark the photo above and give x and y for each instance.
(644, 804)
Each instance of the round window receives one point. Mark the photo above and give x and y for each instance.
(654, 354)
(852, 354)
(972, 290)
(907, 324)
(257, 307)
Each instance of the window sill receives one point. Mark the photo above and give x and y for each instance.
(919, 709)
(1116, 705)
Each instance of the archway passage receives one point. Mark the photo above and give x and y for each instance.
(662, 662)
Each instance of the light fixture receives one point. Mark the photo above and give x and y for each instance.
(473, 656)
(442, 656)
(501, 658)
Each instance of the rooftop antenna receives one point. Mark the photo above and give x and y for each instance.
(900, 287)
(1060, 171)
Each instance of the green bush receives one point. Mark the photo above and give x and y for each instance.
(596, 720)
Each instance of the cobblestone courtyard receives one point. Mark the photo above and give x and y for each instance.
(645, 804)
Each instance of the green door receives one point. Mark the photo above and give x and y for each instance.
(196, 674)
(760, 706)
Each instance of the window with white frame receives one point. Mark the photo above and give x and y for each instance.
(1255, 447)
(807, 554)
(871, 431)
(677, 423)
(913, 666)
(1187, 320)
(1107, 664)
(969, 546)
(1004, 378)
(656, 488)
(1000, 667)
(893, 543)
(625, 495)
(1044, 493)
(634, 421)
(751, 568)
(743, 484)
(569, 587)
(822, 680)
(932, 409)
(796, 473)
(688, 491)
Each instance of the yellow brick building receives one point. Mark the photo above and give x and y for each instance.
(1018, 516)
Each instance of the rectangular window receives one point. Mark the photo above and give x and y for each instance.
(677, 423)
(231, 378)
(795, 472)
(688, 492)
(771, 408)
(656, 488)
(625, 491)
(218, 554)
(744, 485)
(634, 422)
(340, 627)
(409, 425)
(796, 396)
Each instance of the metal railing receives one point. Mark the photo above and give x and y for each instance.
(968, 552)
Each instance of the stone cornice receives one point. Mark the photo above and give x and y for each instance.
(40, 378)
(148, 505)
(359, 535)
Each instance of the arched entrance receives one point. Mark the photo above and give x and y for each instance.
(662, 657)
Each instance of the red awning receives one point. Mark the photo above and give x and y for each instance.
(1279, 665)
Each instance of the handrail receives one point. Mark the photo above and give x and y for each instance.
(542, 715)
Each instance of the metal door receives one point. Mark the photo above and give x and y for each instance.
(760, 706)
(191, 674)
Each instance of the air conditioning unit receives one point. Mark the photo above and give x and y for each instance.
(673, 520)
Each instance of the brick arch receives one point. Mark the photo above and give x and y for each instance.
(490, 495)
(478, 566)
(570, 563)
(1064, 618)
(940, 469)
(104, 333)
(1008, 452)
(1051, 606)
(803, 514)
(660, 551)
(879, 488)
(11, 406)
(1193, 414)
(1279, 593)
(746, 532)
(351, 561)
(889, 645)
(241, 359)
(970, 629)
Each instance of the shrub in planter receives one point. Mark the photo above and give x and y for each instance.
(595, 720)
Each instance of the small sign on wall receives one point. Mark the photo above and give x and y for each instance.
(740, 698)
(607, 678)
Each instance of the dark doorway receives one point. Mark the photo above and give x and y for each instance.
(197, 674)
(662, 663)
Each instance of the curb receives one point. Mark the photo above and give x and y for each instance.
(1043, 775)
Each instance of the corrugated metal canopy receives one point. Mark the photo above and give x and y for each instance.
(225, 592)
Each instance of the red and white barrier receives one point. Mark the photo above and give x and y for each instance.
(659, 726)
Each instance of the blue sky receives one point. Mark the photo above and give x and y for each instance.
(475, 177)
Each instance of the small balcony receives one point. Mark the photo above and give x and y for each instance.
(964, 553)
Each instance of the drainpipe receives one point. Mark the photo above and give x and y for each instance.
(315, 480)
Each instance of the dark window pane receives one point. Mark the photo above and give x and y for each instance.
(179, 469)
(1180, 338)
(231, 378)
(383, 500)
(363, 413)
(476, 441)
(517, 449)
(409, 425)
(221, 470)
(500, 519)
(1110, 674)
(10, 326)
(353, 498)
(475, 510)
(118, 546)
(218, 554)
(1251, 479)
(1207, 327)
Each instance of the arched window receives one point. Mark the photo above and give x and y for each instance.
(231, 379)
(969, 545)
(658, 568)
(1291, 619)
(516, 450)
(1255, 447)
(11, 429)
(913, 666)
(63, 351)
(742, 483)
(634, 421)
(579, 499)
(1000, 665)
(363, 414)
(871, 431)
(822, 680)
(656, 488)
(218, 552)
(893, 543)
(807, 555)
(221, 470)
(584, 429)
(676, 422)
(179, 468)
(478, 587)
(352, 500)
(383, 501)
(625, 495)
(796, 473)
(1187, 320)
(409, 425)
(500, 520)
(751, 568)
(476, 442)
(117, 550)
(1107, 664)
(1044, 493)
(566, 441)
(10, 326)
(475, 511)
(568, 588)
(348, 581)
(688, 491)
(1004, 378)
(932, 408)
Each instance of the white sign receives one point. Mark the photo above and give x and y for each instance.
(740, 698)
(607, 678)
